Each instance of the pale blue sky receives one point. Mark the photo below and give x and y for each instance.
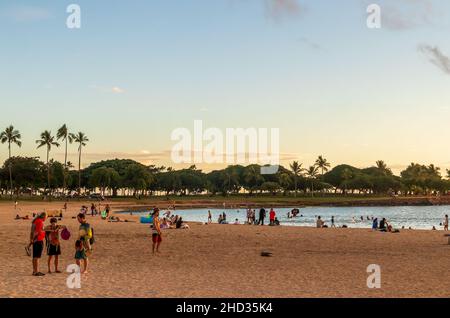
(138, 69)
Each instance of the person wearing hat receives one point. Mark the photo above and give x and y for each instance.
(37, 236)
(53, 244)
(156, 231)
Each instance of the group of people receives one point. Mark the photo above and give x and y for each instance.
(48, 237)
(95, 210)
(251, 217)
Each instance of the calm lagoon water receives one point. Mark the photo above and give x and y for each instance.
(417, 217)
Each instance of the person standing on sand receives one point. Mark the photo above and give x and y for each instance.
(262, 215)
(53, 244)
(156, 231)
(446, 223)
(85, 235)
(272, 215)
(209, 217)
(37, 236)
(332, 222)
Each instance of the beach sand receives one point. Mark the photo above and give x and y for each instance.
(226, 261)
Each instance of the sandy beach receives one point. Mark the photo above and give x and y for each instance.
(225, 260)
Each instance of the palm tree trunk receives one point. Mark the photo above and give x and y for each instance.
(65, 169)
(79, 170)
(10, 169)
(295, 185)
(48, 170)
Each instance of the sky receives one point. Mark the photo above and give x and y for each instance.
(137, 70)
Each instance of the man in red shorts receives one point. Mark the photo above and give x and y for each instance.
(37, 237)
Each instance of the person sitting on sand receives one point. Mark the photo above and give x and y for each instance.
(276, 222)
(319, 223)
(383, 225)
(164, 224)
(18, 217)
(236, 222)
(181, 225)
(53, 244)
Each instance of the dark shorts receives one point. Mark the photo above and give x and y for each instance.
(38, 247)
(156, 238)
(81, 254)
(53, 250)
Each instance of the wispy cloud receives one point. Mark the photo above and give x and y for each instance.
(311, 44)
(436, 57)
(25, 13)
(105, 89)
(117, 90)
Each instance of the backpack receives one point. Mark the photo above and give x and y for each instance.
(92, 239)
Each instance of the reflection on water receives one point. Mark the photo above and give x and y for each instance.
(417, 217)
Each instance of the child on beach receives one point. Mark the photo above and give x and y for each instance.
(53, 244)
(80, 254)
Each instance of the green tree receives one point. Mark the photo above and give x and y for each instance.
(81, 139)
(10, 136)
(47, 140)
(104, 178)
(296, 169)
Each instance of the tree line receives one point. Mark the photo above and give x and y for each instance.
(125, 177)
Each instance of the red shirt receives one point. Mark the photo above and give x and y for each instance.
(39, 233)
(272, 215)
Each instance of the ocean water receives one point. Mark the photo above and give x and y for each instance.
(416, 217)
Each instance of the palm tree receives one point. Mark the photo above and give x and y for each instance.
(322, 164)
(81, 139)
(10, 136)
(63, 134)
(297, 169)
(312, 173)
(47, 140)
(382, 166)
